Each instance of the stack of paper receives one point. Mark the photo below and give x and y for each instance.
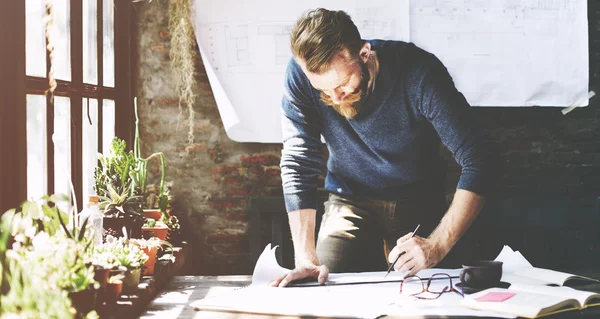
(517, 270)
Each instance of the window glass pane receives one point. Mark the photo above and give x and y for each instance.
(89, 145)
(62, 40)
(37, 172)
(35, 38)
(90, 42)
(108, 124)
(62, 145)
(109, 43)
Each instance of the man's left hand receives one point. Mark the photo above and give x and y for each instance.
(420, 253)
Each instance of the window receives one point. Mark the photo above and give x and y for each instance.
(59, 136)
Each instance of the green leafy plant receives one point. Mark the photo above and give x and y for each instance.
(150, 222)
(48, 267)
(115, 170)
(120, 252)
(153, 199)
(28, 296)
(155, 242)
(120, 202)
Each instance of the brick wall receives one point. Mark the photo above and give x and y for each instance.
(547, 155)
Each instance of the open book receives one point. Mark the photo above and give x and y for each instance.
(517, 270)
(531, 301)
(549, 276)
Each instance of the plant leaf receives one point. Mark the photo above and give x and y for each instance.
(82, 230)
(62, 223)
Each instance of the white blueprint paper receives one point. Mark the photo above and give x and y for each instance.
(508, 52)
(341, 297)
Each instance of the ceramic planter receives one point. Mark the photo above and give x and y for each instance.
(112, 292)
(84, 301)
(101, 275)
(161, 232)
(149, 264)
(155, 214)
(131, 280)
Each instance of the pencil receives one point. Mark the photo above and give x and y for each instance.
(402, 253)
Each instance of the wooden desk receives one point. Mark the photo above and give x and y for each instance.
(173, 302)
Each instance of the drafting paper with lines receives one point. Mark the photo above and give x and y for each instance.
(499, 52)
(508, 52)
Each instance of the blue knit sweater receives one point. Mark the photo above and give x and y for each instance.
(392, 146)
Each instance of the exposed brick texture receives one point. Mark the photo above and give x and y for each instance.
(546, 154)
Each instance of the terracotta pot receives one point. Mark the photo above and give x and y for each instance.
(112, 292)
(155, 214)
(101, 275)
(84, 301)
(160, 232)
(149, 264)
(131, 280)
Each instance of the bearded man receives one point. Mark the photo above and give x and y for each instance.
(382, 107)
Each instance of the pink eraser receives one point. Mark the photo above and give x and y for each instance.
(496, 296)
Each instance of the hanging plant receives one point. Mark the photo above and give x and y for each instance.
(50, 32)
(182, 56)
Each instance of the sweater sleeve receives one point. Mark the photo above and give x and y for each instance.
(301, 156)
(451, 116)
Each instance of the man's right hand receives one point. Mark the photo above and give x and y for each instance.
(321, 273)
(302, 227)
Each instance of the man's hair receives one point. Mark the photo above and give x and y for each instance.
(319, 34)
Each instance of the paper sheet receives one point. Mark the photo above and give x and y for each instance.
(267, 270)
(341, 297)
(508, 52)
(364, 301)
(448, 305)
(245, 50)
(517, 270)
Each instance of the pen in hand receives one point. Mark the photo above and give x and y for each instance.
(402, 253)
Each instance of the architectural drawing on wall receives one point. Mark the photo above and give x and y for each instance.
(483, 45)
(237, 45)
(281, 38)
(371, 25)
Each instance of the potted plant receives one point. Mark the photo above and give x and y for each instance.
(113, 289)
(45, 264)
(151, 247)
(115, 184)
(154, 228)
(122, 211)
(125, 255)
(157, 201)
(54, 263)
(30, 295)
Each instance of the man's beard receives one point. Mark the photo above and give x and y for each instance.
(351, 104)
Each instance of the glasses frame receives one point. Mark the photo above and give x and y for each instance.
(425, 289)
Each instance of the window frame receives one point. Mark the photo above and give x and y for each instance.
(15, 85)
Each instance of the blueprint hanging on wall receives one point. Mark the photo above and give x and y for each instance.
(499, 52)
(508, 52)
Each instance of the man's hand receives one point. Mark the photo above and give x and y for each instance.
(321, 273)
(422, 253)
(419, 253)
(302, 227)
